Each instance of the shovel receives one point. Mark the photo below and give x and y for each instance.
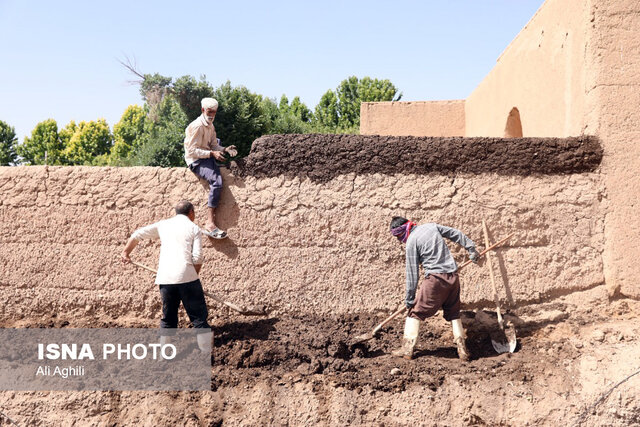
(505, 339)
(374, 332)
(250, 311)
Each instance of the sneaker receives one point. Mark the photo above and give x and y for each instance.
(216, 233)
(406, 351)
(463, 353)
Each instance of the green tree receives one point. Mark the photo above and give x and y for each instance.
(8, 141)
(285, 118)
(348, 102)
(162, 143)
(67, 132)
(280, 119)
(189, 92)
(154, 87)
(327, 110)
(283, 106)
(128, 133)
(44, 143)
(300, 110)
(88, 141)
(374, 90)
(339, 110)
(241, 117)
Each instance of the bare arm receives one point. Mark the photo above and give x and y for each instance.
(197, 255)
(148, 232)
(131, 244)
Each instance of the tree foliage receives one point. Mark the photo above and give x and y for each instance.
(287, 118)
(241, 117)
(8, 141)
(340, 110)
(163, 139)
(189, 92)
(154, 87)
(154, 135)
(128, 133)
(43, 145)
(327, 110)
(88, 141)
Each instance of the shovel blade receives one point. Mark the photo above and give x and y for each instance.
(504, 340)
(255, 311)
(362, 338)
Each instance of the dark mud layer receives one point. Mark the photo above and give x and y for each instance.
(323, 157)
(291, 349)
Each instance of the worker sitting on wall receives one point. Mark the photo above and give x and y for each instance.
(202, 149)
(440, 288)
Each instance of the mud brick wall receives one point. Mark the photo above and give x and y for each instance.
(308, 218)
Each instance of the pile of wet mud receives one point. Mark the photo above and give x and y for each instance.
(297, 348)
(322, 157)
(294, 349)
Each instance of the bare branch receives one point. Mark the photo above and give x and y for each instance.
(132, 67)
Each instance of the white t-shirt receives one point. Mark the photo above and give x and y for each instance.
(180, 248)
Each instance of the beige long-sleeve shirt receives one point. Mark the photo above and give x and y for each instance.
(180, 248)
(200, 139)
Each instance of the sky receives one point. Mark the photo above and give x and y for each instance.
(59, 59)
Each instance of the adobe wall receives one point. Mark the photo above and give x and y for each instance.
(614, 92)
(308, 217)
(574, 69)
(432, 118)
(542, 73)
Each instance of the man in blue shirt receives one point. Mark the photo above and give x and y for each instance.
(440, 288)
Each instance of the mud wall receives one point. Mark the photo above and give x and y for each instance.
(432, 118)
(614, 90)
(543, 73)
(573, 70)
(298, 242)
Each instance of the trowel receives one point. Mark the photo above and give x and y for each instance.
(505, 339)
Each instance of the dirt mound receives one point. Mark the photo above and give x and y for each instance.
(323, 157)
(303, 346)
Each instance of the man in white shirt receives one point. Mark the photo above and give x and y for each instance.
(177, 277)
(202, 149)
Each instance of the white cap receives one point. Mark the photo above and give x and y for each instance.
(209, 103)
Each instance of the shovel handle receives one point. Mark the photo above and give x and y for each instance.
(221, 301)
(495, 245)
(388, 319)
(144, 266)
(492, 277)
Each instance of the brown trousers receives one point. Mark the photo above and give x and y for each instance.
(438, 290)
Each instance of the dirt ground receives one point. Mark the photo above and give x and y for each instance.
(302, 370)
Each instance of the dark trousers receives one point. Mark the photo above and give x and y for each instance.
(438, 290)
(192, 298)
(209, 170)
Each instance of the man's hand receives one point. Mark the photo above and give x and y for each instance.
(409, 305)
(218, 155)
(231, 150)
(474, 256)
(131, 243)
